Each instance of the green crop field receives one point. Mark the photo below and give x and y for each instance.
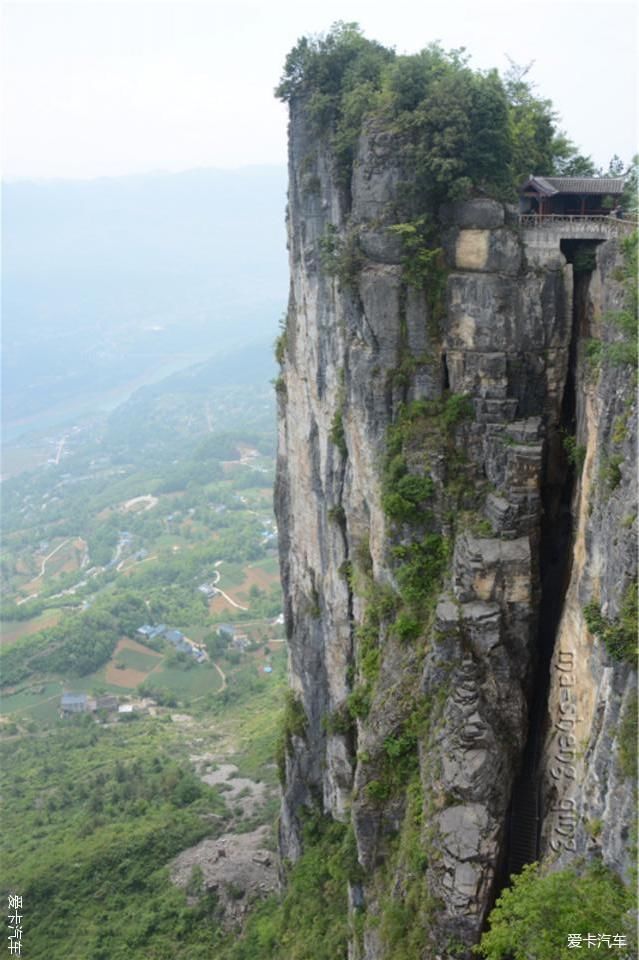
(194, 682)
(135, 659)
(27, 698)
(11, 631)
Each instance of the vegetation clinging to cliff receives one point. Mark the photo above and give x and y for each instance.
(619, 636)
(456, 128)
(536, 916)
(311, 919)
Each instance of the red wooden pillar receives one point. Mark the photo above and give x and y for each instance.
(583, 206)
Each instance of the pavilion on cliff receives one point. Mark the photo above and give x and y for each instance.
(570, 196)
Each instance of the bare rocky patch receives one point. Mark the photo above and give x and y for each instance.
(244, 794)
(237, 868)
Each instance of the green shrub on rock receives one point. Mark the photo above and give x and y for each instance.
(536, 915)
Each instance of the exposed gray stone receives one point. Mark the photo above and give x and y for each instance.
(482, 214)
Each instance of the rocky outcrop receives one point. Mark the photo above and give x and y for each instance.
(419, 641)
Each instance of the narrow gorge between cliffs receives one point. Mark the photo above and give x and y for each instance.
(555, 561)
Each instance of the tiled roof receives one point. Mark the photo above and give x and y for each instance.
(596, 185)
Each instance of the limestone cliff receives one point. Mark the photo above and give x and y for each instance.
(455, 487)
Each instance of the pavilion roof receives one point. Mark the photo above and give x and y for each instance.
(550, 186)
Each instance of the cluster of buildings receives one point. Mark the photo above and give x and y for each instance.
(72, 703)
(176, 638)
(83, 703)
(234, 637)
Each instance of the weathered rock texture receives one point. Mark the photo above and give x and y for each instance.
(359, 348)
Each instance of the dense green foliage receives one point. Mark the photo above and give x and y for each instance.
(93, 815)
(423, 260)
(405, 494)
(407, 909)
(537, 145)
(292, 723)
(534, 917)
(619, 636)
(421, 567)
(78, 645)
(91, 819)
(621, 349)
(339, 75)
(337, 435)
(455, 128)
(421, 429)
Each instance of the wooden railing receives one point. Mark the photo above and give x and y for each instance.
(613, 224)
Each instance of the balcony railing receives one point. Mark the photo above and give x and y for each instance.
(589, 222)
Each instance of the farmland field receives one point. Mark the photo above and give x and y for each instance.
(135, 655)
(12, 631)
(29, 697)
(196, 681)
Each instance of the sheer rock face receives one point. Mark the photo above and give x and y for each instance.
(589, 802)
(504, 340)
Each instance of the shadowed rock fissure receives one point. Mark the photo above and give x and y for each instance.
(555, 562)
(351, 736)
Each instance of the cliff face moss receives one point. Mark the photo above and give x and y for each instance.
(435, 362)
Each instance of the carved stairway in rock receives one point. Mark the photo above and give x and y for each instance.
(524, 821)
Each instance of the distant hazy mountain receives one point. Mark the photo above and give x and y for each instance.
(106, 281)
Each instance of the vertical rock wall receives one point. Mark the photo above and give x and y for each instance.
(589, 799)
(361, 345)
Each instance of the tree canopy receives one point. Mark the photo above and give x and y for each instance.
(457, 128)
(541, 911)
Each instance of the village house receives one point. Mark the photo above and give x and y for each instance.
(107, 702)
(74, 703)
(176, 638)
(234, 637)
(150, 632)
(71, 703)
(208, 589)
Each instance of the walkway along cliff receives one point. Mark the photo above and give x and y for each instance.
(456, 505)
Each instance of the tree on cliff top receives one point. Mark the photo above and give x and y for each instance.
(538, 146)
(457, 128)
(339, 75)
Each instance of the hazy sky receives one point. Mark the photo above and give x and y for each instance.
(113, 87)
